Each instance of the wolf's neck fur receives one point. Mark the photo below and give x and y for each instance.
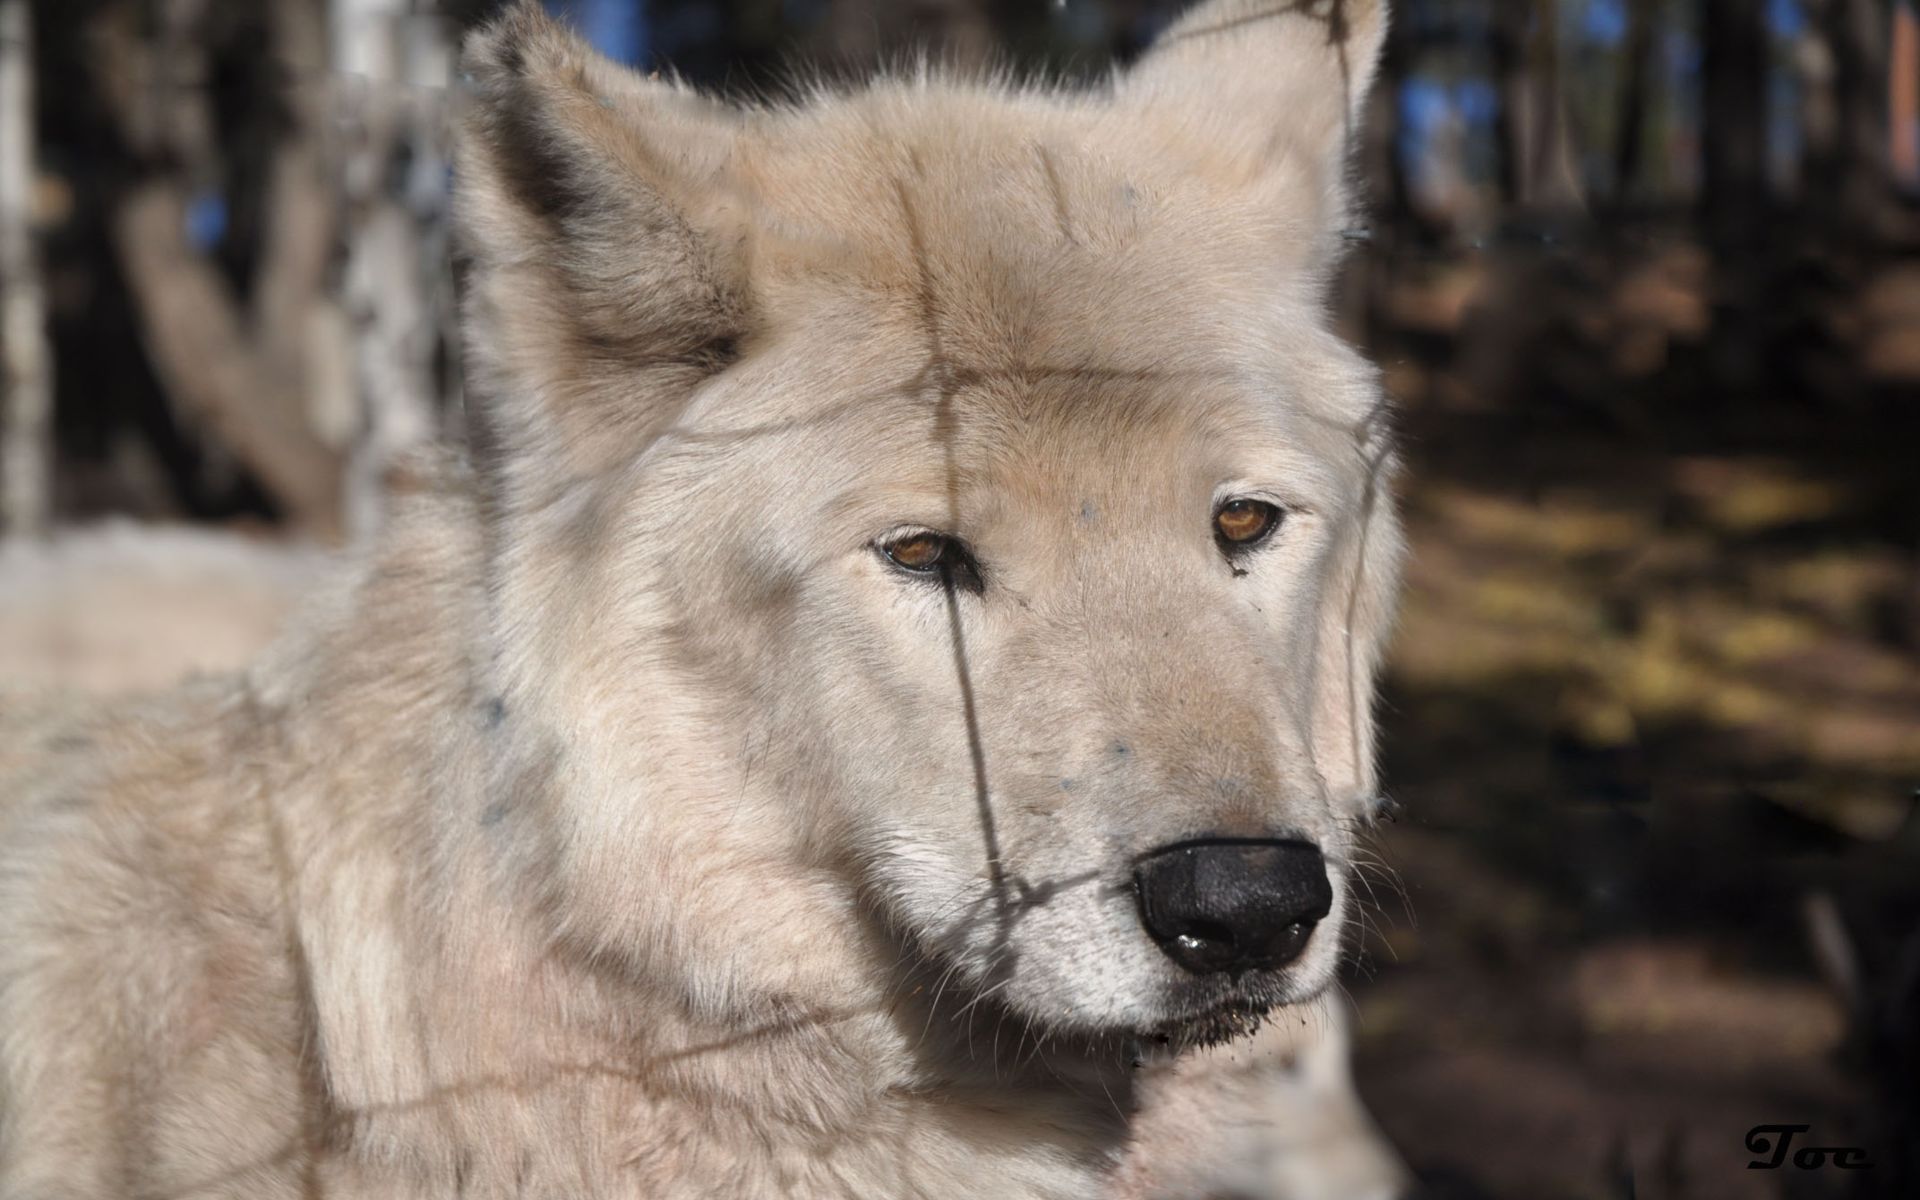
(458, 1012)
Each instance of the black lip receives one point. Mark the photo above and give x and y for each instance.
(1219, 839)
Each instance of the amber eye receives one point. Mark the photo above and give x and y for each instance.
(937, 558)
(1240, 524)
(918, 552)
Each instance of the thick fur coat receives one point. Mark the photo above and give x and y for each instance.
(638, 820)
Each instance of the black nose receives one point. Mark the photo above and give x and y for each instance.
(1233, 905)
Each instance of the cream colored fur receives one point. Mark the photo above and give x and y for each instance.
(627, 826)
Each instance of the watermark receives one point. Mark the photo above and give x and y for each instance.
(1774, 1140)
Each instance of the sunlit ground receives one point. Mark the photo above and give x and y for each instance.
(1655, 694)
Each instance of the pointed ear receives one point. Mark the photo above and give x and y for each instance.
(1274, 88)
(607, 260)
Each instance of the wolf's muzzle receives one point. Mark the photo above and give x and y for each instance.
(1233, 904)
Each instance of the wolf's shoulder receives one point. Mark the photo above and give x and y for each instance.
(105, 805)
(144, 958)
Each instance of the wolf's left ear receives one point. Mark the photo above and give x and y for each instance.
(1274, 89)
(607, 253)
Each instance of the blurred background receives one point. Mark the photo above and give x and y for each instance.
(1643, 275)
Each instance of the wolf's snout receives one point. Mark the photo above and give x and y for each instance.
(1233, 905)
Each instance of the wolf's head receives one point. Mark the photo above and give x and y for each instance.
(937, 516)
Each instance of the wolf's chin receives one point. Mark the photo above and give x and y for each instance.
(1195, 1025)
(1237, 1018)
(1236, 1015)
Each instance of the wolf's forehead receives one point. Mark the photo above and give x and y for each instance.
(1013, 231)
(1004, 275)
(948, 161)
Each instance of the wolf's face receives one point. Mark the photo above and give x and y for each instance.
(960, 492)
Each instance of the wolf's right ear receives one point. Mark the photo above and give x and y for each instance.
(607, 262)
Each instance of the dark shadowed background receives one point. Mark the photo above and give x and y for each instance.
(1643, 276)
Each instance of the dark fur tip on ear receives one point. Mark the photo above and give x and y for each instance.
(553, 130)
(603, 245)
(501, 121)
(497, 52)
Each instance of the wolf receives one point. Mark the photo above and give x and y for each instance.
(881, 706)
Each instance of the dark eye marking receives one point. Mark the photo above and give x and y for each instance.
(1241, 525)
(935, 557)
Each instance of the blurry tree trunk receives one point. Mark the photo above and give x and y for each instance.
(208, 360)
(1734, 121)
(26, 386)
(1734, 197)
(1508, 49)
(1861, 33)
(1819, 106)
(1848, 176)
(1537, 167)
(1903, 109)
(245, 372)
(1636, 82)
(1389, 195)
(293, 278)
(391, 68)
